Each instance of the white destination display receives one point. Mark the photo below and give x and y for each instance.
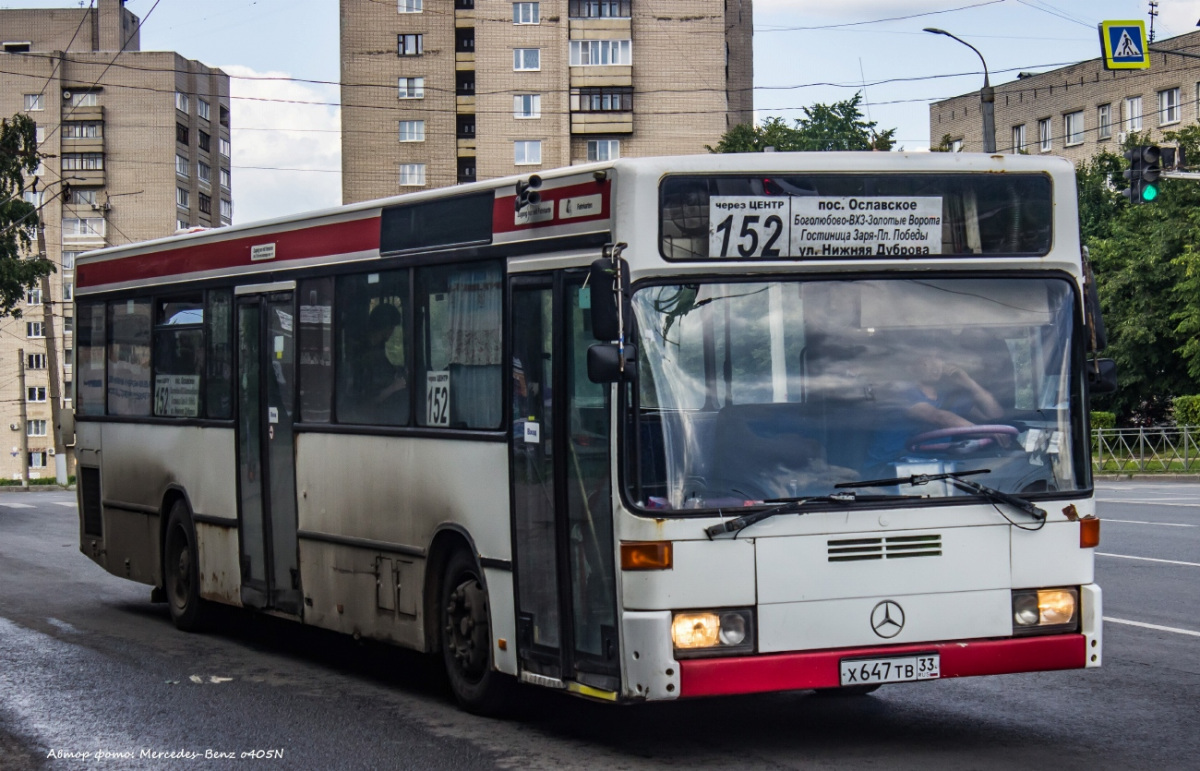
(747, 227)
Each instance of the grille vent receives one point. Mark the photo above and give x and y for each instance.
(892, 547)
(89, 486)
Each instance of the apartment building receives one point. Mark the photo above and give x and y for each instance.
(438, 92)
(136, 146)
(1080, 110)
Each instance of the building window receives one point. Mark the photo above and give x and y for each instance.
(82, 197)
(83, 161)
(956, 145)
(1133, 113)
(525, 13)
(600, 53)
(34, 329)
(181, 133)
(527, 105)
(599, 9)
(412, 174)
(204, 141)
(1168, 106)
(1104, 121)
(223, 115)
(17, 48)
(1044, 135)
(203, 172)
(84, 99)
(183, 198)
(182, 224)
(35, 428)
(76, 129)
(412, 88)
(464, 83)
(205, 204)
(32, 198)
(410, 45)
(1073, 128)
(35, 361)
(412, 131)
(223, 144)
(35, 394)
(226, 210)
(33, 296)
(68, 260)
(34, 102)
(37, 459)
(68, 325)
(226, 179)
(603, 149)
(1018, 138)
(527, 59)
(527, 152)
(68, 291)
(464, 40)
(181, 101)
(613, 99)
(181, 166)
(410, 6)
(202, 109)
(83, 227)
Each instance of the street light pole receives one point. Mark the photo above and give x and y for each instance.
(987, 95)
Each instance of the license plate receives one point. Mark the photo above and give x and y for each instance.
(899, 669)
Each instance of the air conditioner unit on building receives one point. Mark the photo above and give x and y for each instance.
(1122, 135)
(106, 206)
(50, 451)
(66, 94)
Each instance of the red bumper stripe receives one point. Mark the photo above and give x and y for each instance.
(819, 669)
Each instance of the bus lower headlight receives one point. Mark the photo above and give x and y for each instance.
(1045, 611)
(713, 632)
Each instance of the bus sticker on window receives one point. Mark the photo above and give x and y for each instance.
(773, 227)
(437, 399)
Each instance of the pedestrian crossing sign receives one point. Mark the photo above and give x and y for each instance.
(1124, 45)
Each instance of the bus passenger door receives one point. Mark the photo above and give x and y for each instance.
(562, 511)
(266, 462)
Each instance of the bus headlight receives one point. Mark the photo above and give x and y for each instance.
(1045, 611)
(712, 632)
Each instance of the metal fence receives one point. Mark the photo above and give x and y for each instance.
(1126, 450)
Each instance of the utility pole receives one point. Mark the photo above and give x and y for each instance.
(24, 419)
(55, 395)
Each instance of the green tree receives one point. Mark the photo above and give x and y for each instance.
(18, 158)
(838, 126)
(1146, 264)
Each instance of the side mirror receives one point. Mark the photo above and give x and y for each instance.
(604, 363)
(1101, 376)
(608, 280)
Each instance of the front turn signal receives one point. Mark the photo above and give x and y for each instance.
(646, 555)
(1089, 532)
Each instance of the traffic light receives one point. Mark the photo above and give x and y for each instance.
(1145, 169)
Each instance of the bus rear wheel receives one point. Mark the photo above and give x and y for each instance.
(181, 571)
(466, 639)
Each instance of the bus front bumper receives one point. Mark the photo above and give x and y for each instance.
(820, 669)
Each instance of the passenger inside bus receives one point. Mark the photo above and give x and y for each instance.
(379, 386)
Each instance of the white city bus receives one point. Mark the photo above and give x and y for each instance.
(644, 430)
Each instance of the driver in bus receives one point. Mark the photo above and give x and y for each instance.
(940, 395)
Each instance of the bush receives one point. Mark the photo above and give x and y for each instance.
(1104, 420)
(1187, 410)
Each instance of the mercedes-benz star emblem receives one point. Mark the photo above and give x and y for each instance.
(887, 619)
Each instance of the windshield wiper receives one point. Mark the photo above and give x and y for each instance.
(791, 507)
(956, 479)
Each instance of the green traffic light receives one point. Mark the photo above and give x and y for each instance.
(1149, 193)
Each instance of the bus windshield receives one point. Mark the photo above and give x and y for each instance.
(765, 390)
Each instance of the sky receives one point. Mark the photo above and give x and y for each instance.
(282, 57)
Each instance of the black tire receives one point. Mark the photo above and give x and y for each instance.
(181, 571)
(848, 690)
(466, 639)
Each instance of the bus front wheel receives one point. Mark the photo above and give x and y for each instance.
(181, 571)
(466, 638)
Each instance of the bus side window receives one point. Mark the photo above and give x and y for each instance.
(89, 352)
(316, 350)
(372, 363)
(459, 382)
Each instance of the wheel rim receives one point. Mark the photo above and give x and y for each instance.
(466, 628)
(179, 570)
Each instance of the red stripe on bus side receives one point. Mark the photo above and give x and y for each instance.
(819, 669)
(337, 238)
(504, 209)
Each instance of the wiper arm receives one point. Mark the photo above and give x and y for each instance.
(791, 507)
(956, 478)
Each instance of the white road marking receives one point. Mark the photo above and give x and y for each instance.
(1139, 522)
(1151, 626)
(1149, 559)
(71, 505)
(16, 505)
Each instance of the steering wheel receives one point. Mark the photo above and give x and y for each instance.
(947, 438)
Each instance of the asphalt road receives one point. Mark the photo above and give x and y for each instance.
(88, 665)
